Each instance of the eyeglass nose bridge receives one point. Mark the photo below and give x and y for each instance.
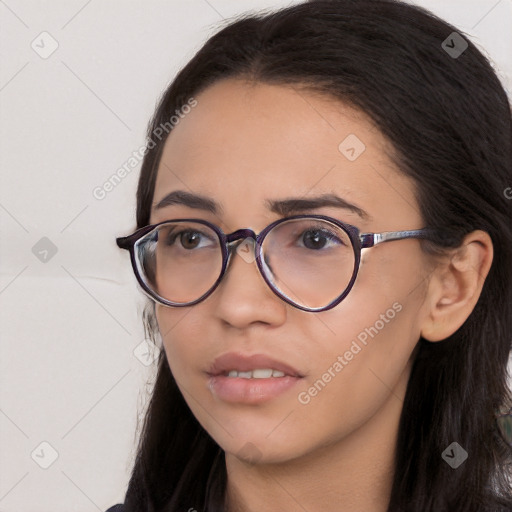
(241, 234)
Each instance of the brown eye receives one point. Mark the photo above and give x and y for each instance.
(190, 239)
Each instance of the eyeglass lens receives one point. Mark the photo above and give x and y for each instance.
(310, 261)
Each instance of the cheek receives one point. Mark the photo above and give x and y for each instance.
(362, 343)
(366, 342)
(180, 341)
(356, 370)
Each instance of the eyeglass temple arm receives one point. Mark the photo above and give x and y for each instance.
(127, 242)
(123, 242)
(371, 239)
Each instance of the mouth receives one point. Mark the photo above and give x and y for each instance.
(252, 379)
(258, 373)
(247, 366)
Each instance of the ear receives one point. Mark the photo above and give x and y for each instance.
(455, 286)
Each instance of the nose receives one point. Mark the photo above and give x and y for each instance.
(243, 297)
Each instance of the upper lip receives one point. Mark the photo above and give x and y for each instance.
(248, 362)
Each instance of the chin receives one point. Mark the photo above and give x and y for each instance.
(256, 448)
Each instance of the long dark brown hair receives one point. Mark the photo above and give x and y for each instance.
(449, 120)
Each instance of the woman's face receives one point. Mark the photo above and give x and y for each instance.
(242, 146)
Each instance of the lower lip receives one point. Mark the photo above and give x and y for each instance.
(250, 391)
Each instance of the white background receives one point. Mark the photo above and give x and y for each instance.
(69, 326)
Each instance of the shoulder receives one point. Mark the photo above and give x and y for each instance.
(116, 508)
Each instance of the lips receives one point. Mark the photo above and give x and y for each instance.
(230, 361)
(238, 378)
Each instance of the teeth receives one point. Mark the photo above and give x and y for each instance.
(260, 373)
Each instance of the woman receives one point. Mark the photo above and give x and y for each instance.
(325, 234)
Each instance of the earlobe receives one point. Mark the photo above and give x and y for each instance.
(455, 286)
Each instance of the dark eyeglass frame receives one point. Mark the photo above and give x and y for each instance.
(359, 241)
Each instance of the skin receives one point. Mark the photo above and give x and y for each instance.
(245, 143)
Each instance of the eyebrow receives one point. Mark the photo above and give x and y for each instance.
(283, 207)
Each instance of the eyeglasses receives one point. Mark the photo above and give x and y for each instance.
(309, 261)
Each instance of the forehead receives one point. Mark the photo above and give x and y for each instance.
(244, 143)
